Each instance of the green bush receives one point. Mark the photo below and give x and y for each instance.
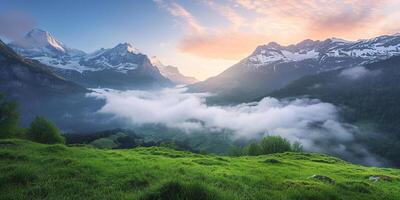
(254, 149)
(8, 118)
(104, 143)
(274, 144)
(268, 145)
(44, 131)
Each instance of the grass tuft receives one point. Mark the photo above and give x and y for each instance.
(356, 186)
(181, 191)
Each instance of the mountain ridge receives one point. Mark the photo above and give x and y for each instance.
(12, 63)
(172, 73)
(120, 67)
(273, 66)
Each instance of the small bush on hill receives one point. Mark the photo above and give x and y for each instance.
(44, 131)
(8, 118)
(274, 144)
(254, 149)
(268, 145)
(104, 143)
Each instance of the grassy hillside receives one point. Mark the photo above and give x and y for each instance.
(34, 171)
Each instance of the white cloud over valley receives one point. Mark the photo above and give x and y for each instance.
(313, 123)
(358, 72)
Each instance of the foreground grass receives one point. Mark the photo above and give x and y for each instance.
(34, 171)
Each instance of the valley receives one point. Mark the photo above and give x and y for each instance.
(174, 99)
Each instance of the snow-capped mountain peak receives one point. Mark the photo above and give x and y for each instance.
(339, 40)
(38, 38)
(365, 50)
(42, 45)
(126, 48)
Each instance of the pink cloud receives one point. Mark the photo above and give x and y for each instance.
(284, 21)
(177, 10)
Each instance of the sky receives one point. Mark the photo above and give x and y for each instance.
(201, 37)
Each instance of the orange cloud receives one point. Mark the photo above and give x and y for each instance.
(284, 21)
(320, 19)
(221, 45)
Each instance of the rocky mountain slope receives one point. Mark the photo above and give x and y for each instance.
(21, 77)
(273, 66)
(40, 92)
(172, 73)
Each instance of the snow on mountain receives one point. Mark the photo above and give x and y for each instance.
(272, 66)
(39, 43)
(123, 58)
(172, 73)
(366, 50)
(41, 39)
(120, 67)
(44, 47)
(127, 47)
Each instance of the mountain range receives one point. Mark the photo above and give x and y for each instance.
(273, 66)
(120, 67)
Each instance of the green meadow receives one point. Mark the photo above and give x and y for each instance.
(30, 170)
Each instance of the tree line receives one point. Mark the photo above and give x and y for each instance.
(41, 130)
(267, 145)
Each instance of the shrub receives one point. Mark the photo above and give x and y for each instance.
(268, 145)
(254, 149)
(274, 144)
(8, 118)
(104, 143)
(44, 131)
